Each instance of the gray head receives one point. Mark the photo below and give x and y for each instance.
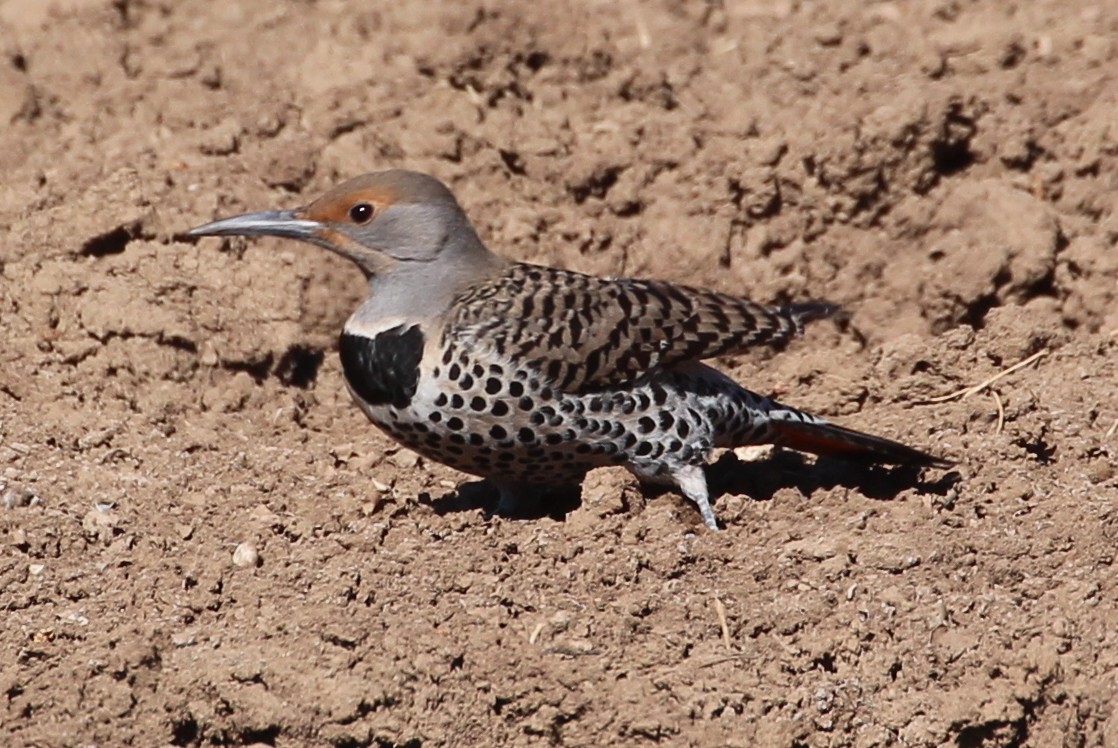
(385, 222)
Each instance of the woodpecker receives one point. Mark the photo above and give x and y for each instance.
(532, 376)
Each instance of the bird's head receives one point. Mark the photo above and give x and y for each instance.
(383, 222)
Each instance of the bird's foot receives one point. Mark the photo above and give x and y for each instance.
(690, 479)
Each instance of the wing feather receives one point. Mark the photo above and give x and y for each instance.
(585, 333)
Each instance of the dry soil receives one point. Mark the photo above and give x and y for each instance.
(945, 169)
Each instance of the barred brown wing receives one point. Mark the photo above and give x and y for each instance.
(586, 333)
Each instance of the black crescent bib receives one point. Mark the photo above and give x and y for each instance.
(383, 370)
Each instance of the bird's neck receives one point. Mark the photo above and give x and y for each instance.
(422, 290)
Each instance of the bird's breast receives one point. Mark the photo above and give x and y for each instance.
(383, 368)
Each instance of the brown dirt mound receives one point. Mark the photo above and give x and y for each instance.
(947, 171)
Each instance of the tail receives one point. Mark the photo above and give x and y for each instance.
(829, 440)
(809, 311)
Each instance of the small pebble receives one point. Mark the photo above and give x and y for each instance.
(755, 453)
(183, 639)
(14, 497)
(101, 523)
(405, 459)
(245, 555)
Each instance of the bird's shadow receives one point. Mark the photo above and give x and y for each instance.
(554, 502)
(761, 480)
(729, 475)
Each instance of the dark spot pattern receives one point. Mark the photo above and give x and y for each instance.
(482, 415)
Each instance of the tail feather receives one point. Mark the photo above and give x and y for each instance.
(810, 311)
(829, 440)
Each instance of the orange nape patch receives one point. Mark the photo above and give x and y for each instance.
(333, 207)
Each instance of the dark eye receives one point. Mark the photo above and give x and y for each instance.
(361, 213)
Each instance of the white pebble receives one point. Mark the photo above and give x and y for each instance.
(245, 555)
(15, 497)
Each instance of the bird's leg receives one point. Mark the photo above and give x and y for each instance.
(690, 479)
(693, 483)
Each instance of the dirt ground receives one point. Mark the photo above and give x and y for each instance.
(946, 169)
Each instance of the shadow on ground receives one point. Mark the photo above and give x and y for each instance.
(762, 479)
(728, 476)
(555, 503)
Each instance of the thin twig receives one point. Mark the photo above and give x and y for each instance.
(968, 391)
(643, 37)
(1112, 430)
(727, 658)
(720, 609)
(1001, 410)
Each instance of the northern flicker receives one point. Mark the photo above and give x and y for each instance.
(531, 376)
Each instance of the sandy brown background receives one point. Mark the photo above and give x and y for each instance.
(947, 169)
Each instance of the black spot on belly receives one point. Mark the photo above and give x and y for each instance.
(384, 369)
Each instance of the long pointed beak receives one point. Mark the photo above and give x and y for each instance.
(262, 223)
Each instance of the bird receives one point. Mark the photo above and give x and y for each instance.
(531, 376)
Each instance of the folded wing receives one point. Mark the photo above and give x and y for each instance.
(585, 333)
